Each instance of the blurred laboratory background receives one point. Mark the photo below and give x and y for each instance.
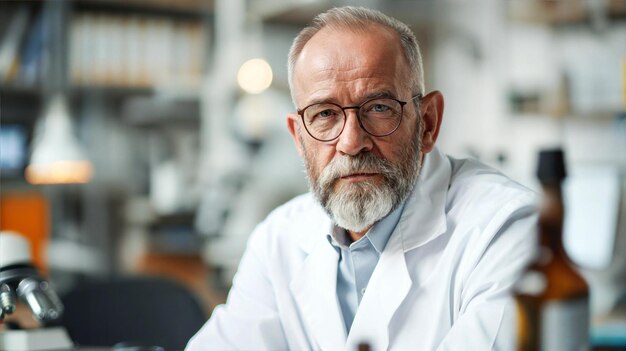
(148, 137)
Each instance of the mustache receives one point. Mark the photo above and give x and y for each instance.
(364, 162)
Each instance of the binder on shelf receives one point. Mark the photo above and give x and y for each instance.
(10, 44)
(32, 58)
(133, 51)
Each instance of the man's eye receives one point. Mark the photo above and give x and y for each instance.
(326, 113)
(379, 108)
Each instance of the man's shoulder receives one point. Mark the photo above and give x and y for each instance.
(473, 182)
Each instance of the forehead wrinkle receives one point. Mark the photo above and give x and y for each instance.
(326, 66)
(362, 72)
(360, 88)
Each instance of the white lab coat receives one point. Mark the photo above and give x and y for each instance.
(442, 282)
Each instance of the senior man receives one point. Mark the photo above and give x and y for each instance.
(396, 245)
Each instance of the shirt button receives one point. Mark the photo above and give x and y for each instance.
(362, 291)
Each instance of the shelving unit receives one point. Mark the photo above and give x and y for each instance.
(580, 47)
(109, 47)
(132, 71)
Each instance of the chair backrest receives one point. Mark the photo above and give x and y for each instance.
(147, 311)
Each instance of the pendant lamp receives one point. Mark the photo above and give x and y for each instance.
(57, 157)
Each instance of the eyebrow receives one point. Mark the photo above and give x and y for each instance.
(380, 94)
(377, 94)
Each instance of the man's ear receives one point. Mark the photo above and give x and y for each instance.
(431, 109)
(292, 125)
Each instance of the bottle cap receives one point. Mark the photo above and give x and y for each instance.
(551, 165)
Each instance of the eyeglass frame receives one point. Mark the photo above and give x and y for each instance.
(300, 112)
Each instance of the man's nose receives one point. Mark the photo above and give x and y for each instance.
(353, 139)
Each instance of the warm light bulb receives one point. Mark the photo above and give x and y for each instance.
(60, 172)
(255, 76)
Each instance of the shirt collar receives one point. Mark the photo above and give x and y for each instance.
(381, 231)
(378, 235)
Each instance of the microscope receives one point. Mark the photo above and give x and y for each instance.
(20, 280)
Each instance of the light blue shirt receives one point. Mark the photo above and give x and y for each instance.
(357, 261)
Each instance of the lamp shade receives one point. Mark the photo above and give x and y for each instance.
(57, 157)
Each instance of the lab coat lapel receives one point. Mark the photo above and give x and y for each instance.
(388, 287)
(315, 290)
(422, 220)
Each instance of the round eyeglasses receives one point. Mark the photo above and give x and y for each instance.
(379, 117)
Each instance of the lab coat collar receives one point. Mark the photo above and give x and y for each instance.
(424, 215)
(314, 228)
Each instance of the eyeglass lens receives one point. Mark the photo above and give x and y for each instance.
(378, 117)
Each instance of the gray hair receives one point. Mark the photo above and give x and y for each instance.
(360, 18)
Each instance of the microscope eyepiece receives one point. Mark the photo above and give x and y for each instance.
(41, 299)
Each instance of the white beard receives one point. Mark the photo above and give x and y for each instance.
(357, 206)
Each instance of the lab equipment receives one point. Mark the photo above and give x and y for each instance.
(19, 279)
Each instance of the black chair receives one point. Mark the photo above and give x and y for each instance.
(143, 311)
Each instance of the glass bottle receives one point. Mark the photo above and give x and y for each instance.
(552, 297)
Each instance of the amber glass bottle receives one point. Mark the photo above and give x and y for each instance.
(552, 297)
